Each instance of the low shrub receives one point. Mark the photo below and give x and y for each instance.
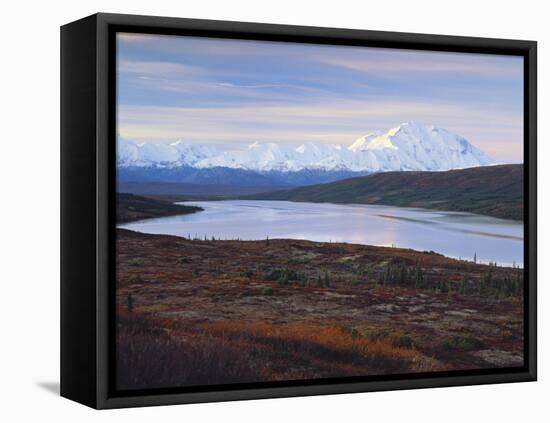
(404, 341)
(285, 275)
(463, 343)
(267, 290)
(376, 334)
(135, 262)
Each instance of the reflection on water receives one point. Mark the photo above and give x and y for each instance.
(450, 233)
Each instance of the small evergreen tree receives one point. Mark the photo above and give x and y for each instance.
(319, 281)
(403, 275)
(130, 303)
(327, 280)
(418, 276)
(463, 284)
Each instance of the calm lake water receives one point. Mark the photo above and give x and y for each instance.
(450, 233)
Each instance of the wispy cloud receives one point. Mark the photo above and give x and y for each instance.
(130, 37)
(236, 91)
(338, 123)
(159, 69)
(403, 63)
(186, 79)
(258, 86)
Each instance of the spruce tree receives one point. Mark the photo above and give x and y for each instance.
(130, 303)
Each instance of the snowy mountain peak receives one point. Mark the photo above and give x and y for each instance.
(362, 143)
(254, 145)
(409, 146)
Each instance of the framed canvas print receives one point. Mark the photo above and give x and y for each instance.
(255, 211)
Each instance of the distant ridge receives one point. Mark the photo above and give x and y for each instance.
(491, 190)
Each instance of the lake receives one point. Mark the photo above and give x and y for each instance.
(454, 234)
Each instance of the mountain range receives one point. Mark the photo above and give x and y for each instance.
(410, 146)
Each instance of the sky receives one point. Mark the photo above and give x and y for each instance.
(235, 92)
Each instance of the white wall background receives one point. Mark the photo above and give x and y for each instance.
(29, 167)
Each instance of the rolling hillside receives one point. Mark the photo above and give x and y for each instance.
(131, 207)
(491, 190)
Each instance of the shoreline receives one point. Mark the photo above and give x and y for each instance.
(450, 223)
(381, 205)
(495, 191)
(388, 248)
(131, 208)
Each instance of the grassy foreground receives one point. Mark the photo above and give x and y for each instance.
(196, 312)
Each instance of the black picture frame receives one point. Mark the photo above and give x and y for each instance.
(88, 197)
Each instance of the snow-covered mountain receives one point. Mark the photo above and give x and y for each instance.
(409, 146)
